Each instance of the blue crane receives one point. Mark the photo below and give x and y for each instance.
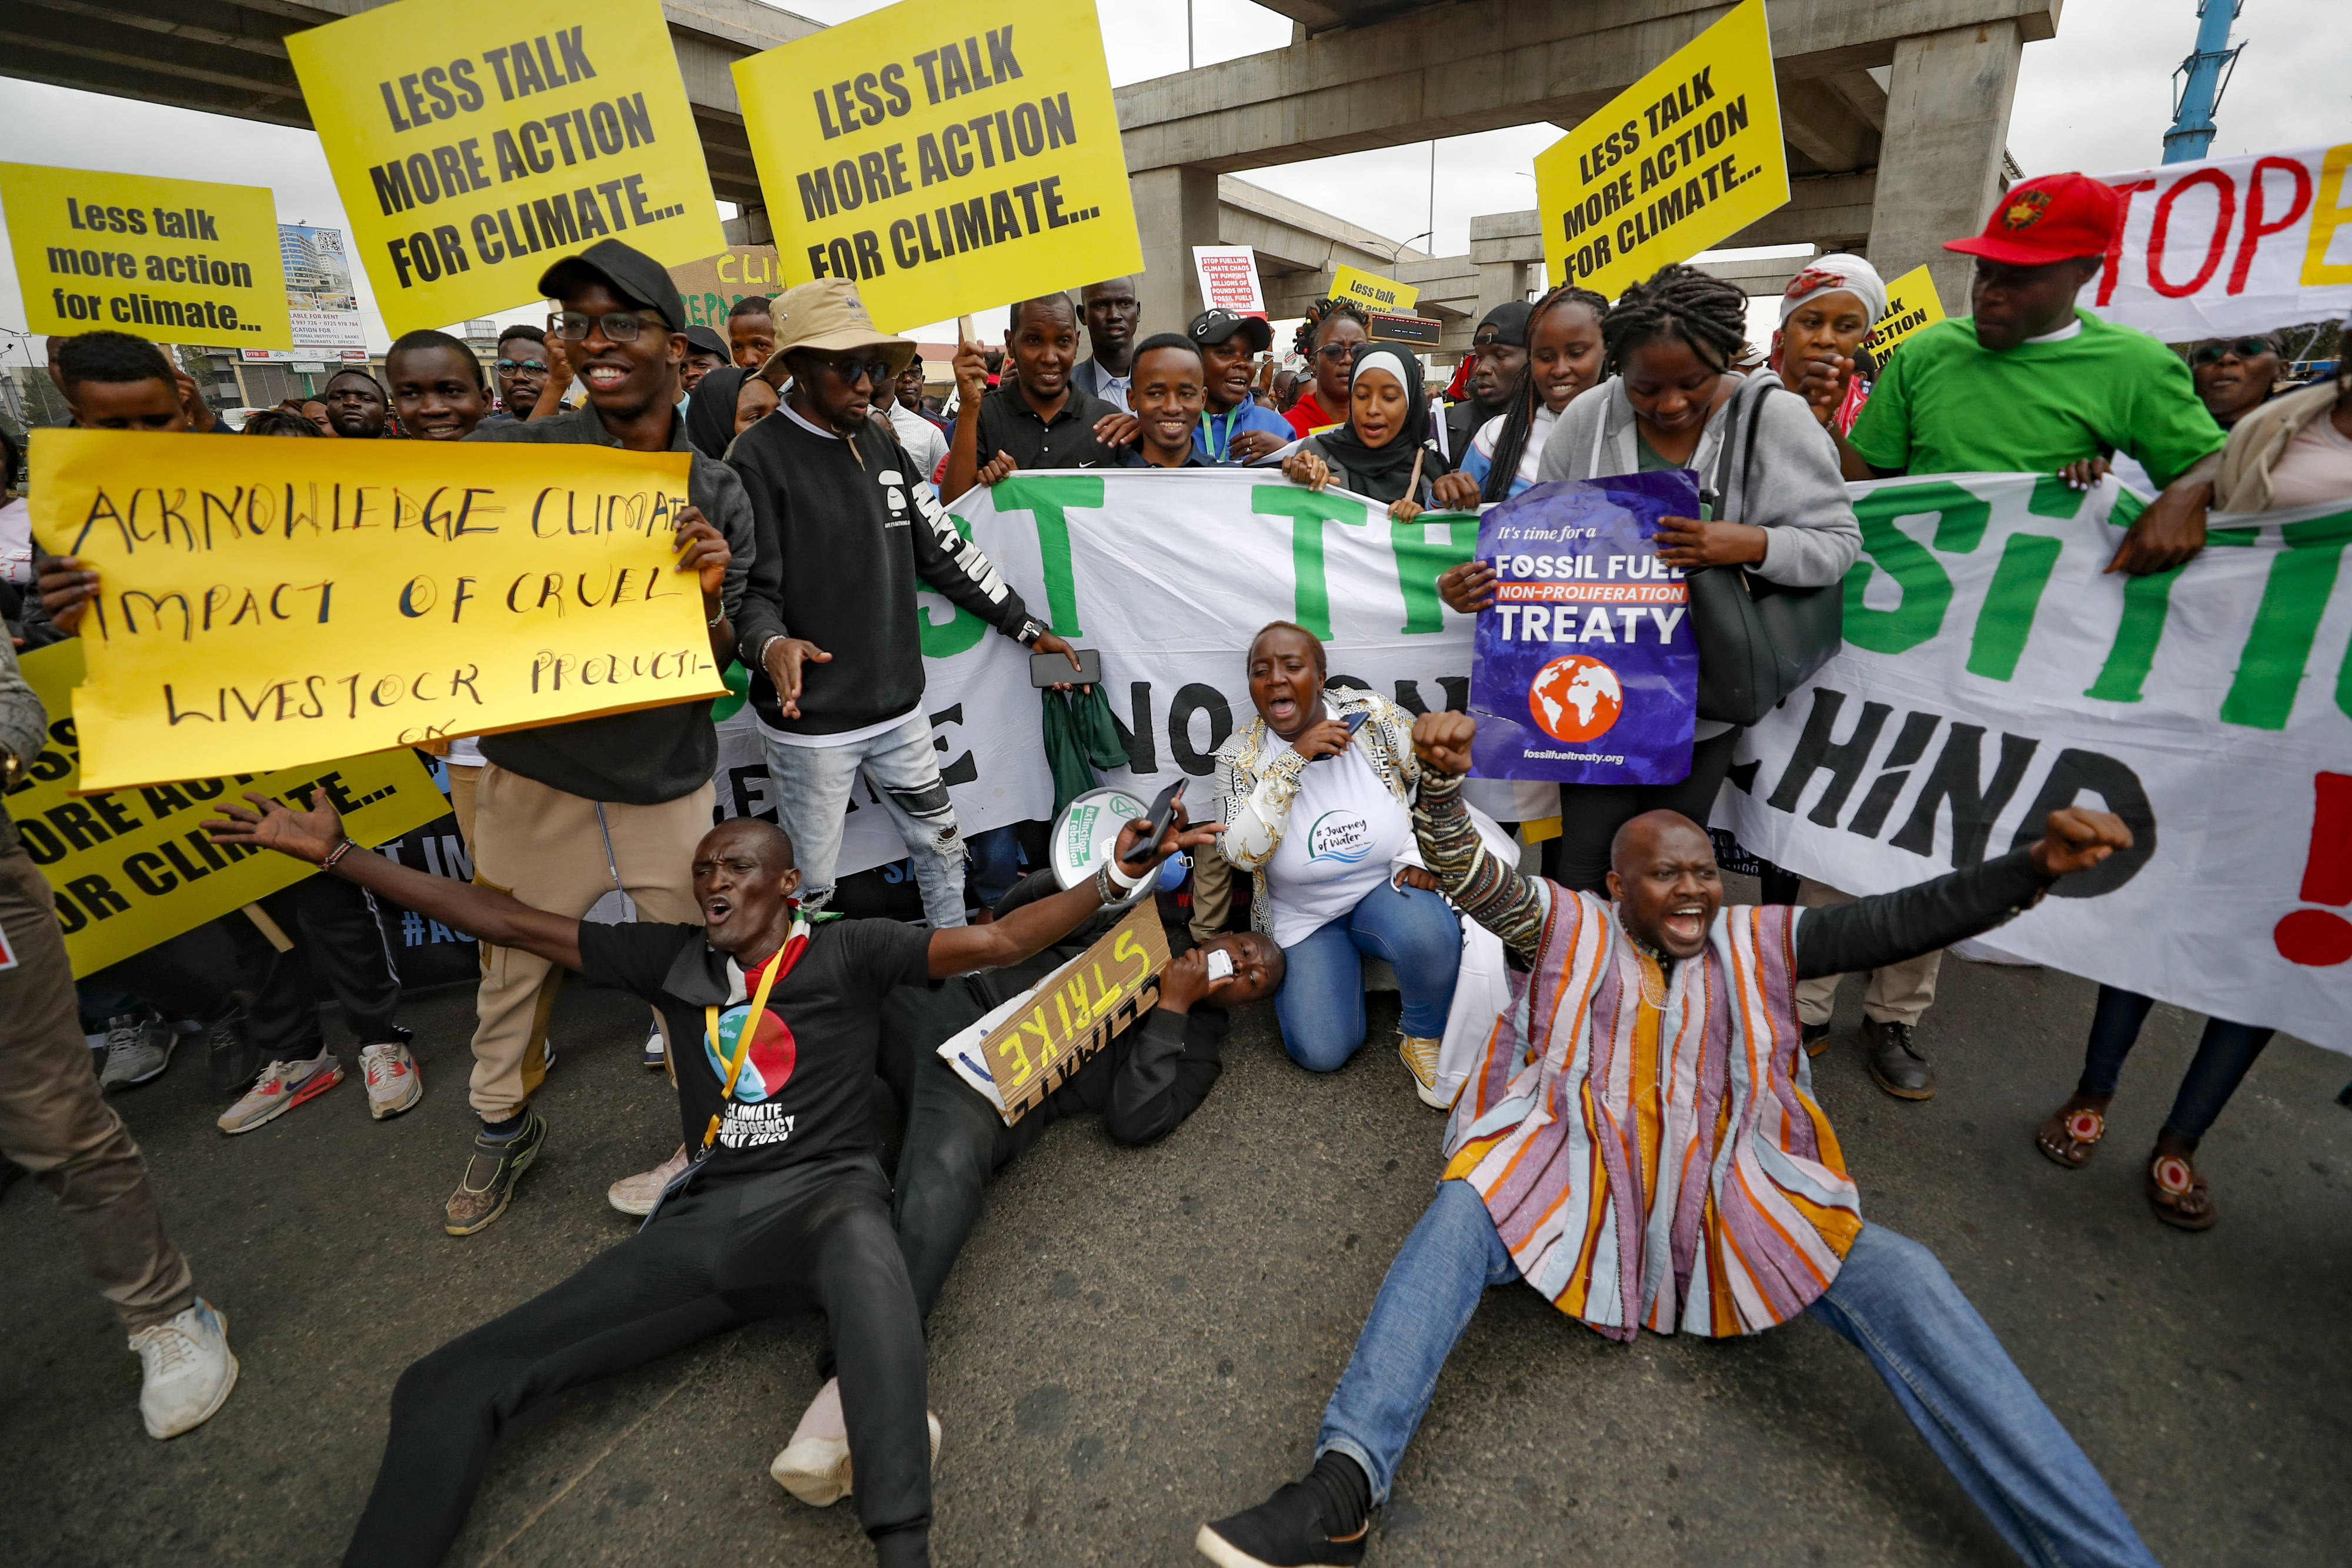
(2208, 71)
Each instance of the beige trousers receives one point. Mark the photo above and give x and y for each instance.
(547, 849)
(463, 783)
(1212, 893)
(55, 1125)
(1896, 993)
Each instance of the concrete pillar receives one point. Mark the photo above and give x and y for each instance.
(1947, 106)
(1175, 209)
(1507, 250)
(751, 228)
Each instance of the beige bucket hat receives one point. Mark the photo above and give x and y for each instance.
(828, 316)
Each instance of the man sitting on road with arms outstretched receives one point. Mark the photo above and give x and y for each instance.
(1641, 1144)
(785, 1207)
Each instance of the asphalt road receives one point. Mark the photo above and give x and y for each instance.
(1138, 1340)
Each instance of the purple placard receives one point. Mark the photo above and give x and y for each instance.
(1586, 668)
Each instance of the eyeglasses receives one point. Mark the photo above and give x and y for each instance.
(618, 326)
(1337, 353)
(2243, 347)
(851, 371)
(509, 367)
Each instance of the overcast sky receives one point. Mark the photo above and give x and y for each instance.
(2096, 98)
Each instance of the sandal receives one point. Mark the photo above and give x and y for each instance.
(2071, 1134)
(2178, 1193)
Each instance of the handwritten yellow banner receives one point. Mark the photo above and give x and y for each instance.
(1372, 291)
(1684, 158)
(474, 145)
(266, 603)
(1073, 1012)
(949, 156)
(131, 867)
(1911, 304)
(178, 261)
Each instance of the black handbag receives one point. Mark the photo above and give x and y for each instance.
(1757, 640)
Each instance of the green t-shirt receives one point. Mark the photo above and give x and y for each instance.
(1947, 406)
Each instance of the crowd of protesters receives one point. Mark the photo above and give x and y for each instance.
(819, 477)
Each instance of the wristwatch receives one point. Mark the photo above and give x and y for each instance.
(1029, 631)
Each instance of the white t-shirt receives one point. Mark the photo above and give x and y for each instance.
(1344, 836)
(16, 542)
(465, 751)
(920, 437)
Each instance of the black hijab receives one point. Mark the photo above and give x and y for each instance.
(710, 411)
(1382, 473)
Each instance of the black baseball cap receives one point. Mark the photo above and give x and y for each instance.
(1216, 326)
(703, 340)
(1510, 321)
(627, 271)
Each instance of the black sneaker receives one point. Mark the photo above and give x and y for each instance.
(490, 1171)
(234, 1059)
(1815, 1037)
(1286, 1530)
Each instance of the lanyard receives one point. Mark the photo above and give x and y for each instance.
(1222, 442)
(794, 946)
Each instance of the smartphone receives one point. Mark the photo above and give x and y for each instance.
(1354, 721)
(1163, 812)
(1221, 966)
(1053, 669)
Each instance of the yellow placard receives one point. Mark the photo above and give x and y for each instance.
(131, 867)
(1074, 1012)
(711, 287)
(474, 145)
(179, 261)
(1911, 304)
(950, 156)
(1685, 157)
(266, 603)
(1372, 291)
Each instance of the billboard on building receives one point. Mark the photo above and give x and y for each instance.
(320, 300)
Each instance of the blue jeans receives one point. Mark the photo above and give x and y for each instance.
(811, 789)
(2223, 1053)
(1892, 1299)
(1321, 1003)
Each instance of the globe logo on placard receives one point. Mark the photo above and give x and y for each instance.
(1575, 698)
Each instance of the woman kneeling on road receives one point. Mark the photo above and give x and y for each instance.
(1319, 787)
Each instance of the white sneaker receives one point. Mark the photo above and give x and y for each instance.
(656, 1054)
(138, 1048)
(1421, 1060)
(188, 1370)
(282, 1086)
(815, 1466)
(394, 1081)
(637, 1194)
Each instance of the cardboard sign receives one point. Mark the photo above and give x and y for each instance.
(1372, 291)
(266, 603)
(1228, 281)
(177, 261)
(949, 156)
(2226, 246)
(1911, 304)
(711, 287)
(129, 868)
(1687, 156)
(1059, 1025)
(1586, 668)
(476, 145)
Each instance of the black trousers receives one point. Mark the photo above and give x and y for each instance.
(336, 940)
(1590, 814)
(955, 1142)
(719, 1255)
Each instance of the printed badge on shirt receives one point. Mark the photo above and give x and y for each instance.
(751, 1118)
(893, 489)
(1339, 838)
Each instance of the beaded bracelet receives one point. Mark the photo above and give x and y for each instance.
(338, 852)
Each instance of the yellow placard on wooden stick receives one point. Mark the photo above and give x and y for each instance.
(475, 145)
(948, 156)
(179, 261)
(268, 603)
(1073, 1012)
(1685, 157)
(1911, 304)
(1372, 291)
(129, 868)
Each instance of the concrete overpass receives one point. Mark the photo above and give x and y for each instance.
(1896, 113)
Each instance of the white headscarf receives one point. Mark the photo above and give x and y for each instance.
(1827, 274)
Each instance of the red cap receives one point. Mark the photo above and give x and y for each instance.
(2054, 218)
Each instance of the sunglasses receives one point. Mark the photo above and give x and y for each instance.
(2243, 347)
(853, 371)
(1337, 353)
(509, 367)
(618, 326)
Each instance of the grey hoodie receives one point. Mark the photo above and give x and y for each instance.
(1791, 485)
